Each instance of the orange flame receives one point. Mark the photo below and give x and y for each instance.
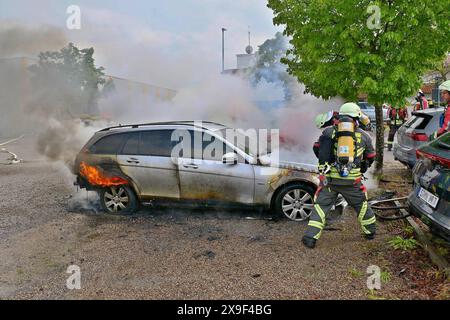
(96, 178)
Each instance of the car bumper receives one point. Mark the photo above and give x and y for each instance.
(405, 155)
(435, 219)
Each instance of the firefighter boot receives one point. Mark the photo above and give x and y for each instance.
(370, 236)
(309, 242)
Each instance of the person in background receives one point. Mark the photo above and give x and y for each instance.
(445, 117)
(422, 102)
(397, 117)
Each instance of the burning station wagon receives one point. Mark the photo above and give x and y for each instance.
(134, 164)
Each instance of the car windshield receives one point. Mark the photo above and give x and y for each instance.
(418, 121)
(365, 105)
(243, 141)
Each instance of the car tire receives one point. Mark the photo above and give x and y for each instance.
(294, 202)
(118, 200)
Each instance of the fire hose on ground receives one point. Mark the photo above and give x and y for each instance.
(374, 205)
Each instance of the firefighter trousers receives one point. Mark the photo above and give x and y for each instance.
(325, 198)
(392, 130)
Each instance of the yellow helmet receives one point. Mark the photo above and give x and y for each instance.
(350, 109)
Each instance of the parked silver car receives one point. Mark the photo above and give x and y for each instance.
(369, 110)
(135, 164)
(415, 133)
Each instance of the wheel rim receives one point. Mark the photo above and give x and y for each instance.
(116, 199)
(297, 205)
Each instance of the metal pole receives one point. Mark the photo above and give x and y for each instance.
(223, 49)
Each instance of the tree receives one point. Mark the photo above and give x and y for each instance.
(67, 82)
(269, 67)
(341, 48)
(442, 69)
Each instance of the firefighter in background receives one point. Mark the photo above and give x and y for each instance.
(422, 102)
(396, 117)
(444, 124)
(345, 153)
(322, 121)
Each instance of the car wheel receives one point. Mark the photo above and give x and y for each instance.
(118, 200)
(295, 202)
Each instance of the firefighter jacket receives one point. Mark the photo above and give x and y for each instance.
(422, 104)
(445, 125)
(364, 155)
(397, 116)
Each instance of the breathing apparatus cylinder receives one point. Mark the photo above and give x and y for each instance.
(345, 146)
(364, 119)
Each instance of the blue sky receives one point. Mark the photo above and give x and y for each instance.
(181, 34)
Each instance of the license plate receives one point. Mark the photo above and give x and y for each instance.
(428, 197)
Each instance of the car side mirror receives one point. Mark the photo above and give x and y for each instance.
(230, 158)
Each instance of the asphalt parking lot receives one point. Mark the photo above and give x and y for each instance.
(171, 252)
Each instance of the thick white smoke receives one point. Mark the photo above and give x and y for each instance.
(222, 98)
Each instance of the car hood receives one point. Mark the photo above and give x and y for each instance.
(298, 166)
(265, 160)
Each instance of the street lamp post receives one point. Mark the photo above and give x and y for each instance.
(223, 49)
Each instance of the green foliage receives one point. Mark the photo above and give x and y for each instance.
(442, 251)
(373, 295)
(356, 273)
(67, 81)
(385, 276)
(334, 52)
(409, 230)
(403, 244)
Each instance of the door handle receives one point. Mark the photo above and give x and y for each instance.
(133, 160)
(190, 165)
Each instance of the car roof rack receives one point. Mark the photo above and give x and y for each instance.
(186, 122)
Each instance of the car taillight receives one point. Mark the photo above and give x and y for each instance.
(418, 136)
(419, 154)
(443, 161)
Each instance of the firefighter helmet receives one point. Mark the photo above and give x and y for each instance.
(350, 109)
(445, 86)
(323, 118)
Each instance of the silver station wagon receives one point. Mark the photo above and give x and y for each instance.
(133, 165)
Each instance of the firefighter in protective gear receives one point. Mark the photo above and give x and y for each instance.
(333, 183)
(396, 117)
(444, 125)
(422, 102)
(324, 120)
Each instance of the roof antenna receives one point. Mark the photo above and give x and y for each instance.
(249, 48)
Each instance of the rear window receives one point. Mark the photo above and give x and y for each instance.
(418, 121)
(108, 145)
(443, 142)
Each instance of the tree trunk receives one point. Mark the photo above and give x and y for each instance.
(379, 147)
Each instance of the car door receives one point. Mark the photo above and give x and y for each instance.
(203, 175)
(145, 158)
